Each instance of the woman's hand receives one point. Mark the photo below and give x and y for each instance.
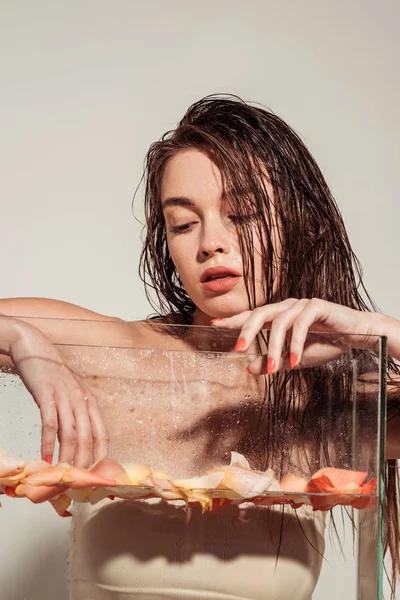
(68, 408)
(289, 323)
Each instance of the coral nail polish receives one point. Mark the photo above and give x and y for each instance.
(48, 459)
(240, 344)
(270, 366)
(293, 360)
(248, 370)
(215, 321)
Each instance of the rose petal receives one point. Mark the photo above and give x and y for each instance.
(238, 460)
(46, 476)
(10, 467)
(339, 479)
(205, 482)
(139, 473)
(61, 505)
(38, 493)
(245, 484)
(78, 478)
(111, 469)
(293, 483)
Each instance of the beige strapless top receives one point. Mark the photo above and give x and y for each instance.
(151, 550)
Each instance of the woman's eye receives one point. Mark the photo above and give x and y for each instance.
(181, 228)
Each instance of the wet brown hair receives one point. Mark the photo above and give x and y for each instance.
(314, 260)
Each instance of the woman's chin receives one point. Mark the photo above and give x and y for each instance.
(217, 310)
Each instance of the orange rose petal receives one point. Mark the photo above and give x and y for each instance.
(111, 470)
(61, 504)
(138, 474)
(370, 486)
(340, 478)
(361, 503)
(38, 493)
(34, 466)
(10, 491)
(164, 488)
(78, 478)
(14, 479)
(11, 469)
(39, 481)
(10, 466)
(293, 483)
(319, 485)
(46, 476)
(243, 483)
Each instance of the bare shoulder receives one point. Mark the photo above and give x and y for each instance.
(46, 308)
(61, 322)
(66, 323)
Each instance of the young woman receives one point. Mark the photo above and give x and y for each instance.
(242, 232)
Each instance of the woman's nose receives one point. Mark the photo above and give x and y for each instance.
(214, 240)
(211, 249)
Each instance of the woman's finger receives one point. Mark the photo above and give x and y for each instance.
(84, 446)
(238, 321)
(313, 311)
(278, 333)
(234, 322)
(258, 366)
(100, 436)
(261, 317)
(67, 430)
(49, 418)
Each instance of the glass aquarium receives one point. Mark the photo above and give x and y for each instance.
(192, 429)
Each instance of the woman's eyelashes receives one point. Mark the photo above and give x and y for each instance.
(182, 228)
(236, 219)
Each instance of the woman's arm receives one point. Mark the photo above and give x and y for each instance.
(383, 325)
(295, 318)
(68, 408)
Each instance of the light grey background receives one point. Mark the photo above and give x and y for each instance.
(87, 85)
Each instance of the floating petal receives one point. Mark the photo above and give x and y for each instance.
(111, 470)
(61, 505)
(78, 478)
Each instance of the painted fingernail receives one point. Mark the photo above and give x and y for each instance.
(270, 366)
(293, 360)
(240, 344)
(248, 370)
(213, 321)
(48, 459)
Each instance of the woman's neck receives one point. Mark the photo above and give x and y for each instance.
(200, 318)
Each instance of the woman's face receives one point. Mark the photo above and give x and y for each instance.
(203, 239)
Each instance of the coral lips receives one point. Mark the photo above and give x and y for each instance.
(219, 279)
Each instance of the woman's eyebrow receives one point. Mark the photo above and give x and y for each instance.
(177, 201)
